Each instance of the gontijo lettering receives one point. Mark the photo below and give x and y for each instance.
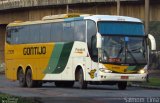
(34, 50)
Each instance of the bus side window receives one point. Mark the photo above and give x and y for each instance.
(22, 35)
(56, 32)
(14, 35)
(91, 35)
(91, 31)
(34, 33)
(94, 50)
(8, 39)
(45, 33)
(80, 31)
(68, 31)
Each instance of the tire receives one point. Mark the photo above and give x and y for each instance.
(30, 83)
(122, 85)
(81, 82)
(21, 78)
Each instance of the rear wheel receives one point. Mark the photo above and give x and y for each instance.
(30, 83)
(122, 85)
(82, 83)
(21, 78)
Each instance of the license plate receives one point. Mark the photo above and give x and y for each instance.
(124, 77)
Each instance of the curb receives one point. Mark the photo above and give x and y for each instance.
(145, 86)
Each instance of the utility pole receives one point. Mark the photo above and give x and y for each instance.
(147, 12)
(118, 7)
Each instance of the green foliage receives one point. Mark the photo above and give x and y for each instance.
(154, 82)
(4, 98)
(154, 26)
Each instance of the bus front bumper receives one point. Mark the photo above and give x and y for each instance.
(122, 77)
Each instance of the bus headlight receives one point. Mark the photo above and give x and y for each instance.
(142, 71)
(105, 70)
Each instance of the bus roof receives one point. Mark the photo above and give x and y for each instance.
(96, 18)
(113, 18)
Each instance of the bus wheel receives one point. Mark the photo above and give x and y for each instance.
(122, 85)
(30, 83)
(21, 78)
(82, 83)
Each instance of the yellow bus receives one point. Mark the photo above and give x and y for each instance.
(90, 49)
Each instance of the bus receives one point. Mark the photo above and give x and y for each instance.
(69, 48)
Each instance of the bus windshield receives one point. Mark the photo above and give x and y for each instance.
(123, 49)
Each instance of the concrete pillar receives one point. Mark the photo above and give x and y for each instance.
(2, 41)
(147, 12)
(67, 9)
(118, 7)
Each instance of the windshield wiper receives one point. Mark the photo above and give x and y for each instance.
(137, 50)
(120, 51)
(132, 57)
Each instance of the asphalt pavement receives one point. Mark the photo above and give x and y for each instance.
(48, 93)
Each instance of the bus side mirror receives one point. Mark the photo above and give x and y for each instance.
(153, 41)
(99, 41)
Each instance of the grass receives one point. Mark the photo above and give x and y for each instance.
(4, 98)
(152, 82)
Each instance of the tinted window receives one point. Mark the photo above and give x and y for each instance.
(9, 31)
(80, 30)
(34, 33)
(121, 28)
(91, 30)
(56, 32)
(68, 31)
(94, 51)
(23, 36)
(14, 35)
(45, 32)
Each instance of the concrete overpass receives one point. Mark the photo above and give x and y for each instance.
(24, 10)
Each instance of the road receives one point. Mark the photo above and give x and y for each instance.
(94, 94)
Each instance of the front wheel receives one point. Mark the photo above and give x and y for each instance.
(21, 78)
(82, 83)
(122, 85)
